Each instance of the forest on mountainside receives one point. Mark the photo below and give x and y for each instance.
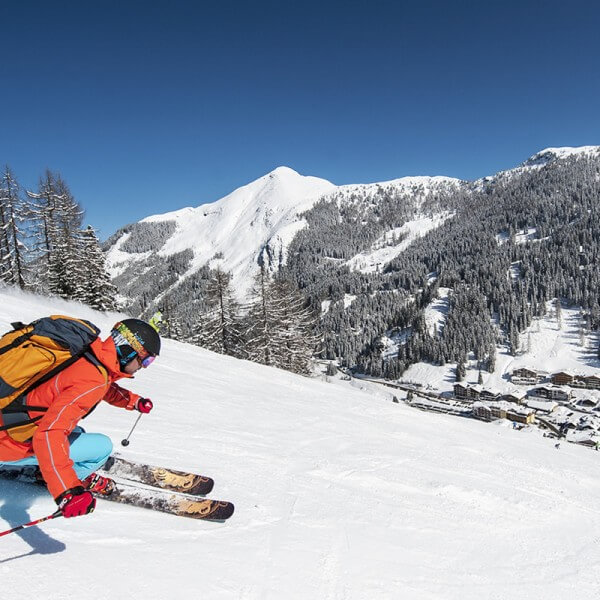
(512, 243)
(499, 280)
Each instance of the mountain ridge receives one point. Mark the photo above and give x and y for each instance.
(367, 240)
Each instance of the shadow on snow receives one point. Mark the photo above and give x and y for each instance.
(16, 499)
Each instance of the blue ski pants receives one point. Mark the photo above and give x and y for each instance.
(89, 451)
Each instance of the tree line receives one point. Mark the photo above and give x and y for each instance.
(515, 243)
(44, 246)
(275, 327)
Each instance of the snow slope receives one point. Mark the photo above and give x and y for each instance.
(384, 249)
(340, 494)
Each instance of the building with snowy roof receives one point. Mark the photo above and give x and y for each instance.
(516, 397)
(545, 406)
(551, 392)
(526, 376)
(490, 411)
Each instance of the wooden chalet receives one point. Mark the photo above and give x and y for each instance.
(562, 378)
(593, 382)
(520, 416)
(488, 395)
(590, 382)
(525, 376)
(488, 412)
(461, 391)
(464, 391)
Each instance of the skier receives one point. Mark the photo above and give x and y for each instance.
(157, 321)
(68, 457)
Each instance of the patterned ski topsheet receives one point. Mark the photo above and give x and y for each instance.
(167, 479)
(150, 498)
(162, 501)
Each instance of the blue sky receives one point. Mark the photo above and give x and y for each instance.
(149, 107)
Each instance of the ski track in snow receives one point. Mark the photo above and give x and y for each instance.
(340, 494)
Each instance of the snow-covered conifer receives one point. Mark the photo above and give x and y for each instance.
(12, 218)
(93, 285)
(56, 217)
(219, 329)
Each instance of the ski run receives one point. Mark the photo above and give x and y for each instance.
(340, 494)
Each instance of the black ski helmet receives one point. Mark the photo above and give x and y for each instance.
(134, 337)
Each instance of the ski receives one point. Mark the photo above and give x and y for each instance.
(159, 477)
(152, 498)
(163, 501)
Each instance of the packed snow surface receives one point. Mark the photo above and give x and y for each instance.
(340, 494)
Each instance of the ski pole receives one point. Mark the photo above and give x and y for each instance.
(32, 523)
(125, 442)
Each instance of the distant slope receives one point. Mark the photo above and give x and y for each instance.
(340, 493)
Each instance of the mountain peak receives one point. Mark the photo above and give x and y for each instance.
(283, 171)
(548, 155)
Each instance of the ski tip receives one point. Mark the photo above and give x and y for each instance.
(204, 487)
(225, 511)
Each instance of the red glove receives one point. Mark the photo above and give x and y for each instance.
(76, 502)
(144, 405)
(103, 486)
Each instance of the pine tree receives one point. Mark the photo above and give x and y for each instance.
(12, 217)
(558, 306)
(93, 284)
(296, 341)
(331, 369)
(219, 329)
(281, 327)
(57, 221)
(261, 319)
(491, 362)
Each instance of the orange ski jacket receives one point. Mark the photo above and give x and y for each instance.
(69, 396)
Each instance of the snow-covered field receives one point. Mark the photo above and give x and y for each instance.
(340, 494)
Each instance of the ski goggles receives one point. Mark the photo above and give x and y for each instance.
(145, 362)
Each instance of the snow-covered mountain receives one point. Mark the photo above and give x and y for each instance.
(339, 493)
(257, 222)
(549, 154)
(236, 230)
(539, 160)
